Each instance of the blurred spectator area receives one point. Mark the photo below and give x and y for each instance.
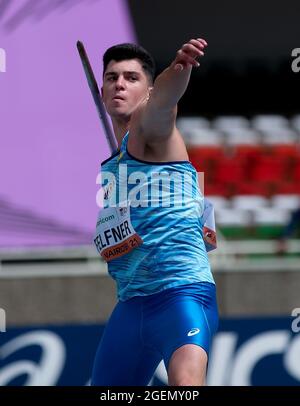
(251, 170)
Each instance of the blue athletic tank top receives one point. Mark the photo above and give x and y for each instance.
(166, 206)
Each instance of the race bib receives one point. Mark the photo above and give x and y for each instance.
(115, 235)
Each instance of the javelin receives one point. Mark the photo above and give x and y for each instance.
(97, 97)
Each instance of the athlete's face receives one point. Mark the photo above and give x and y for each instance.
(125, 87)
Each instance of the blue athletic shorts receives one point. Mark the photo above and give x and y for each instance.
(146, 329)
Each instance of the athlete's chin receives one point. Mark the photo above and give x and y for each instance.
(119, 114)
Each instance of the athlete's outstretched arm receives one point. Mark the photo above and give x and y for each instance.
(159, 116)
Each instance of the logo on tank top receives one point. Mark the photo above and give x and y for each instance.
(108, 190)
(193, 332)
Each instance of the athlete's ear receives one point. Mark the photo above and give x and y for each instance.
(149, 92)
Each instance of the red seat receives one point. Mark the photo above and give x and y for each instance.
(206, 159)
(215, 189)
(205, 152)
(230, 170)
(289, 188)
(202, 157)
(256, 188)
(286, 151)
(247, 152)
(296, 174)
(259, 170)
(268, 169)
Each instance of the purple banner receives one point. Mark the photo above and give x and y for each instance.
(51, 139)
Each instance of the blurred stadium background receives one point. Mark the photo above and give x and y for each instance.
(241, 121)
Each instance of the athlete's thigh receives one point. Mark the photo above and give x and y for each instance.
(187, 316)
(121, 357)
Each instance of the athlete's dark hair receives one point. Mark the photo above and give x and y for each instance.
(121, 52)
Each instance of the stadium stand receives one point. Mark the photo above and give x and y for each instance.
(251, 169)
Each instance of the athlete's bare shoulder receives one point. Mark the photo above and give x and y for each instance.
(167, 149)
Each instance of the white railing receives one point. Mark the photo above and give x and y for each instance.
(84, 260)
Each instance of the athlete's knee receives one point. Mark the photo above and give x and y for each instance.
(186, 379)
(187, 366)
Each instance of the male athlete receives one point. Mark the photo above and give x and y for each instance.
(151, 238)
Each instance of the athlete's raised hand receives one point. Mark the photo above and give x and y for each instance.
(187, 54)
